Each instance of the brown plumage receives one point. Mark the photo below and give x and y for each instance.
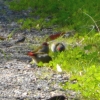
(55, 36)
(40, 57)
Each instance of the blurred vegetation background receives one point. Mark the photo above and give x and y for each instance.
(68, 14)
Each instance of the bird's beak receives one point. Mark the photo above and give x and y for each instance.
(30, 53)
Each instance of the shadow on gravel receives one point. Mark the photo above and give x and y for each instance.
(60, 97)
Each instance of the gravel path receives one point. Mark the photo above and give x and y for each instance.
(18, 79)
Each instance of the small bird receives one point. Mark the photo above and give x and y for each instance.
(57, 47)
(44, 48)
(40, 57)
(54, 36)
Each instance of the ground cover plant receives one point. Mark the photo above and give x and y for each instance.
(82, 57)
(66, 13)
(82, 63)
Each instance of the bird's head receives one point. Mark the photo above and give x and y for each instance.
(60, 47)
(45, 43)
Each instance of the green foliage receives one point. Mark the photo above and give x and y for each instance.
(88, 83)
(69, 13)
(82, 62)
(29, 23)
(19, 5)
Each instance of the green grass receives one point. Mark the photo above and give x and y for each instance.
(64, 13)
(82, 57)
(82, 63)
(80, 60)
